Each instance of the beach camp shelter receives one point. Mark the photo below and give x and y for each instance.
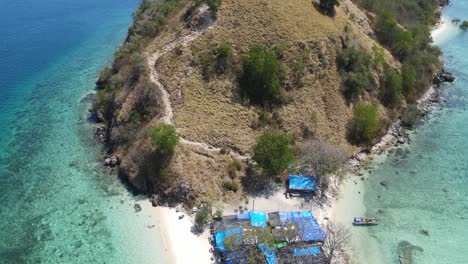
(258, 219)
(302, 183)
(305, 225)
(221, 236)
(269, 253)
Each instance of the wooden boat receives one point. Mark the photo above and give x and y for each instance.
(365, 221)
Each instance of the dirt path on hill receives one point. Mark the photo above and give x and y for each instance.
(168, 111)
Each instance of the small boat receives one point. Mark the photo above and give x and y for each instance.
(365, 221)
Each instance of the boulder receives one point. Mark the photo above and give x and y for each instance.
(73, 163)
(137, 208)
(112, 161)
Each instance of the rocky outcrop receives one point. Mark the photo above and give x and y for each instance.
(443, 3)
(112, 161)
(443, 76)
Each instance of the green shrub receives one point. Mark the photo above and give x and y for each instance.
(464, 25)
(203, 215)
(364, 125)
(391, 89)
(399, 40)
(222, 58)
(411, 116)
(207, 66)
(408, 77)
(272, 152)
(230, 186)
(355, 68)
(260, 78)
(165, 138)
(233, 167)
(212, 4)
(166, 7)
(328, 6)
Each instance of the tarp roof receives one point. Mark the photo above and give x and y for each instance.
(309, 251)
(238, 257)
(221, 236)
(307, 227)
(301, 182)
(258, 219)
(269, 253)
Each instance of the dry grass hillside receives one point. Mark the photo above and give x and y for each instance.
(212, 111)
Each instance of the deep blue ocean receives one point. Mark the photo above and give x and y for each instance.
(51, 52)
(426, 199)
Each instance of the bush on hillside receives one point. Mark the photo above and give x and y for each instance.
(391, 89)
(212, 4)
(203, 215)
(222, 58)
(364, 125)
(411, 116)
(355, 67)
(408, 77)
(165, 138)
(273, 153)
(399, 40)
(464, 25)
(260, 80)
(328, 6)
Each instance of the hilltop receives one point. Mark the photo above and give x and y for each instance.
(182, 65)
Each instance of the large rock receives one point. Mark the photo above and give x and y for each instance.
(112, 161)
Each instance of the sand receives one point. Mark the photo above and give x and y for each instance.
(180, 244)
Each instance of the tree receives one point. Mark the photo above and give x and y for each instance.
(364, 124)
(260, 79)
(354, 64)
(409, 81)
(456, 21)
(321, 159)
(464, 25)
(165, 138)
(328, 6)
(203, 216)
(391, 90)
(273, 153)
(212, 4)
(336, 238)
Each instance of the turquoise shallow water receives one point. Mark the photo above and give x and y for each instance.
(428, 180)
(51, 212)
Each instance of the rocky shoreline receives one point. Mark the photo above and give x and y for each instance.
(397, 134)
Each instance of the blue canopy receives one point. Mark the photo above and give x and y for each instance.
(239, 257)
(245, 216)
(258, 219)
(270, 255)
(305, 224)
(310, 251)
(221, 236)
(303, 183)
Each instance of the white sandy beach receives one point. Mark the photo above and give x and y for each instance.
(180, 245)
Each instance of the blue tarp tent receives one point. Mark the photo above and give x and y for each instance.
(310, 251)
(302, 183)
(270, 255)
(220, 236)
(258, 219)
(245, 216)
(235, 257)
(305, 224)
